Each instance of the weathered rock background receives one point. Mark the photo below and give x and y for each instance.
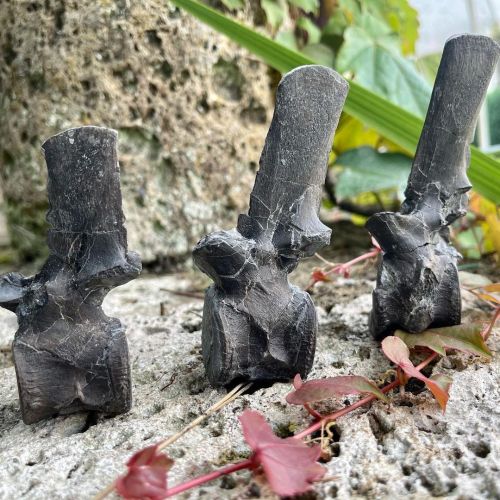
(407, 449)
(190, 107)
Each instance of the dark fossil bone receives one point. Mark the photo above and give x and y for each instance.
(68, 354)
(417, 283)
(255, 325)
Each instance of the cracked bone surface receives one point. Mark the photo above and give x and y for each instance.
(417, 284)
(69, 356)
(256, 326)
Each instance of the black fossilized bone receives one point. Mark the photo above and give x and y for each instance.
(255, 325)
(68, 354)
(417, 284)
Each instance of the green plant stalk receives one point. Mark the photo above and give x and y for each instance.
(389, 120)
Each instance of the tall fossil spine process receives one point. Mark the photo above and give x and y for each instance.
(256, 326)
(69, 356)
(417, 284)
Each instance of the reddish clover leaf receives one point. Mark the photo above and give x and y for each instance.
(289, 464)
(397, 351)
(146, 477)
(465, 337)
(318, 390)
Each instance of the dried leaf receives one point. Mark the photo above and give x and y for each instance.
(493, 288)
(465, 337)
(146, 477)
(490, 298)
(289, 464)
(318, 390)
(397, 351)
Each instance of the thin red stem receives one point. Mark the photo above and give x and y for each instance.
(344, 411)
(489, 329)
(360, 258)
(244, 464)
(313, 412)
(248, 464)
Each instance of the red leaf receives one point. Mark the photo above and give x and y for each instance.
(319, 275)
(297, 381)
(397, 351)
(146, 477)
(318, 390)
(289, 464)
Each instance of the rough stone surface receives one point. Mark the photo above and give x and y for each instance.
(417, 284)
(191, 109)
(255, 325)
(4, 233)
(69, 356)
(407, 449)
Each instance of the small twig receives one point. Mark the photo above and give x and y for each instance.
(322, 259)
(193, 294)
(237, 391)
(170, 382)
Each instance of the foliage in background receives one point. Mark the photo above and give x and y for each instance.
(370, 42)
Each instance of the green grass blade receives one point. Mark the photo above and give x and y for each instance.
(386, 118)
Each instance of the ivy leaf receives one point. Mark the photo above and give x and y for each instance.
(308, 6)
(371, 51)
(397, 351)
(275, 13)
(318, 390)
(146, 477)
(233, 4)
(313, 32)
(466, 338)
(367, 170)
(289, 464)
(320, 53)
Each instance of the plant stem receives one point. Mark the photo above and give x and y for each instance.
(192, 483)
(360, 258)
(344, 411)
(231, 396)
(491, 324)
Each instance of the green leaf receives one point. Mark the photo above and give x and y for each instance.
(400, 16)
(233, 4)
(388, 119)
(371, 51)
(275, 12)
(321, 53)
(367, 170)
(466, 338)
(309, 6)
(428, 66)
(287, 39)
(313, 32)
